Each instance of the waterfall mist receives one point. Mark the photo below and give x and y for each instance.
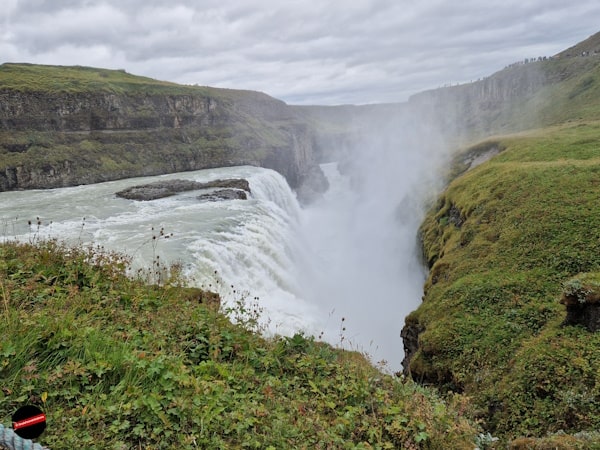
(349, 260)
(365, 269)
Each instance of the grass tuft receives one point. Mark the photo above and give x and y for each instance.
(118, 363)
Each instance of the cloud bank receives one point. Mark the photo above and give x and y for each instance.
(364, 51)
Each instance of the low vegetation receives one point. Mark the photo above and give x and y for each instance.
(116, 362)
(79, 79)
(505, 242)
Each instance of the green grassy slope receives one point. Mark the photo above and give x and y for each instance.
(117, 363)
(574, 98)
(506, 242)
(80, 79)
(30, 78)
(503, 240)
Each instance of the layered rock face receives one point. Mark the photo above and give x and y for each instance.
(510, 100)
(481, 107)
(67, 137)
(69, 112)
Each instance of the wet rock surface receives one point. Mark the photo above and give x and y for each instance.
(226, 189)
(224, 194)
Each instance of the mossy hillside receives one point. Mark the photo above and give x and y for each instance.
(76, 125)
(117, 363)
(520, 97)
(57, 80)
(79, 79)
(82, 81)
(502, 241)
(569, 92)
(573, 98)
(98, 156)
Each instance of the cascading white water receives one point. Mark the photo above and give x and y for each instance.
(351, 254)
(362, 263)
(249, 244)
(363, 269)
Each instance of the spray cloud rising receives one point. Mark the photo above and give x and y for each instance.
(365, 267)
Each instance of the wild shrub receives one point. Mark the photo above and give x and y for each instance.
(115, 362)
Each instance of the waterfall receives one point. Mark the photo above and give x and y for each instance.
(362, 262)
(345, 268)
(248, 244)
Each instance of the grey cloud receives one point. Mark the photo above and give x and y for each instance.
(339, 51)
(41, 31)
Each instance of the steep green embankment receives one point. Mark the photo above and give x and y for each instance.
(117, 363)
(502, 241)
(506, 242)
(61, 126)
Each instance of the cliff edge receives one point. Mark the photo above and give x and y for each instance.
(63, 126)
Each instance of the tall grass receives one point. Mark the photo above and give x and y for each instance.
(118, 363)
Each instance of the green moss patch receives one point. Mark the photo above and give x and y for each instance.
(506, 241)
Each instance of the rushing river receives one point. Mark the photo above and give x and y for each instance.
(330, 269)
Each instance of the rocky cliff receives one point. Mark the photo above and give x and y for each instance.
(62, 126)
(513, 99)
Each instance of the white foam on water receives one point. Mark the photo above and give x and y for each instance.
(350, 255)
(248, 244)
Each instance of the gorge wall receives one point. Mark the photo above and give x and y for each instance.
(91, 128)
(521, 96)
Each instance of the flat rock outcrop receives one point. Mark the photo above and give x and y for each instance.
(226, 189)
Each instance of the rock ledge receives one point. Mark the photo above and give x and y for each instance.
(167, 188)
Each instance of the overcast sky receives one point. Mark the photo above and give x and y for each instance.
(300, 51)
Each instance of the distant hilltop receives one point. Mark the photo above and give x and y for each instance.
(77, 125)
(591, 46)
